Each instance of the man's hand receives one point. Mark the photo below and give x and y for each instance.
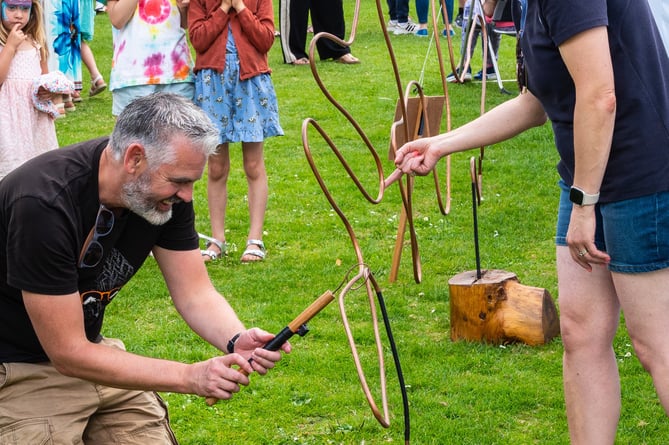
(250, 345)
(217, 378)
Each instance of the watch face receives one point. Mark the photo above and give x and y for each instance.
(576, 196)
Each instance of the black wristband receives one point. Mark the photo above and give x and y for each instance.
(231, 344)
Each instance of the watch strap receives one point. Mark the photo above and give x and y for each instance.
(579, 197)
(231, 343)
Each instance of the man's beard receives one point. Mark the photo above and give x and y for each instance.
(136, 197)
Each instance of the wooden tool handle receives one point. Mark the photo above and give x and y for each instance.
(292, 328)
(313, 309)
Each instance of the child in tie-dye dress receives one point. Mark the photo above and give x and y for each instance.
(151, 51)
(233, 86)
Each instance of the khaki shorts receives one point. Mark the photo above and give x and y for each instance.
(38, 405)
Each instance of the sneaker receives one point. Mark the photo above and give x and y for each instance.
(490, 74)
(405, 28)
(421, 32)
(391, 26)
(458, 20)
(451, 77)
(444, 33)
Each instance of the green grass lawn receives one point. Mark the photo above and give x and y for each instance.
(459, 392)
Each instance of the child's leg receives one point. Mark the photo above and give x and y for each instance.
(89, 60)
(97, 81)
(256, 176)
(217, 192)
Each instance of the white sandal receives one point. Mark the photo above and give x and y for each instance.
(259, 253)
(97, 88)
(222, 246)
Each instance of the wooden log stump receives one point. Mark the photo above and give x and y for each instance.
(498, 309)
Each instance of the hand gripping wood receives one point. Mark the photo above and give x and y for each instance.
(297, 326)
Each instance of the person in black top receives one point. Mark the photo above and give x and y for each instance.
(75, 225)
(606, 94)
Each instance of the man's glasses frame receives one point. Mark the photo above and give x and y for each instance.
(92, 252)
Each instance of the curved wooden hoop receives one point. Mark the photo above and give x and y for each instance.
(405, 186)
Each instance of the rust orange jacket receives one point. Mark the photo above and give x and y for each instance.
(253, 30)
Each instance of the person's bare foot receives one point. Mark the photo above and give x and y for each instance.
(301, 61)
(348, 59)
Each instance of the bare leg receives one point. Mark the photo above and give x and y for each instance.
(98, 84)
(256, 176)
(89, 60)
(589, 318)
(217, 191)
(645, 301)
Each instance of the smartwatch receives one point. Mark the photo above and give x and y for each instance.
(579, 197)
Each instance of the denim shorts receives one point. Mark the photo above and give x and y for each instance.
(634, 232)
(121, 97)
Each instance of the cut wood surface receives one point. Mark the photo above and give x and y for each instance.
(497, 308)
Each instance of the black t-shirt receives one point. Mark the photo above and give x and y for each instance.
(639, 160)
(47, 208)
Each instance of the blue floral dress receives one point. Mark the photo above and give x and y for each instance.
(62, 27)
(243, 110)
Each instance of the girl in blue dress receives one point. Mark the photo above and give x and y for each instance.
(233, 86)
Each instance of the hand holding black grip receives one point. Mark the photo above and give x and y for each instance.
(297, 326)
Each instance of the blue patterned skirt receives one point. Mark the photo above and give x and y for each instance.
(243, 110)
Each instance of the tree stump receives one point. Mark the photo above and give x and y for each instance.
(498, 309)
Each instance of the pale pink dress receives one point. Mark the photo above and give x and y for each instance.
(25, 132)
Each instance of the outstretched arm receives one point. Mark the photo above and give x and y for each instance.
(502, 122)
(207, 312)
(58, 322)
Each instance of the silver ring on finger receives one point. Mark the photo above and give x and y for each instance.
(582, 252)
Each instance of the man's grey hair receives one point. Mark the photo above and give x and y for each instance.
(154, 120)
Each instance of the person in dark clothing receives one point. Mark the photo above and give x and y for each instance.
(326, 16)
(605, 92)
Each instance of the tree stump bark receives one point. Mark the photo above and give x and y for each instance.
(498, 309)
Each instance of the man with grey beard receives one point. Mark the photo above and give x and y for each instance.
(75, 225)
